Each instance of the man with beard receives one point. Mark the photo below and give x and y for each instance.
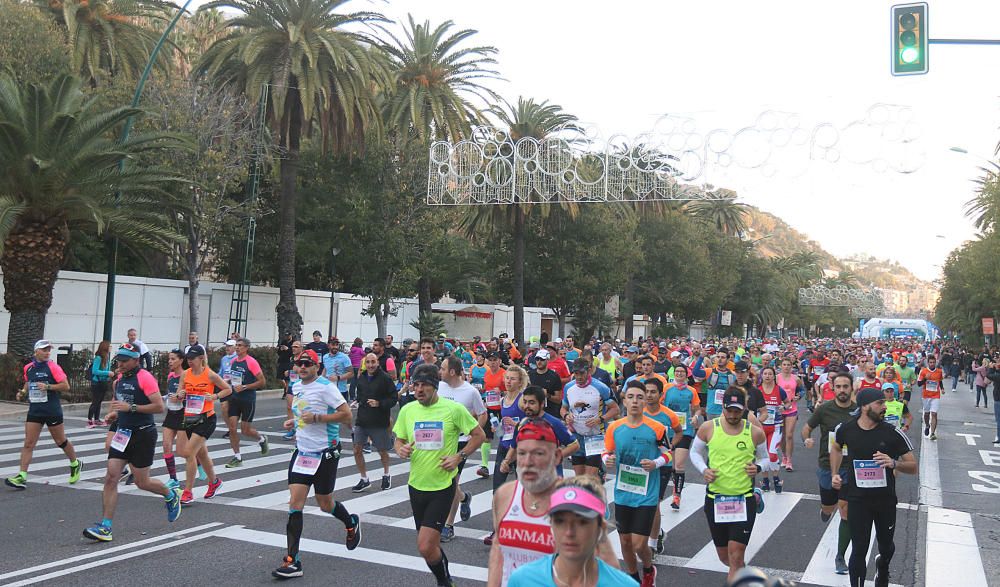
(520, 507)
(876, 450)
(548, 380)
(531, 405)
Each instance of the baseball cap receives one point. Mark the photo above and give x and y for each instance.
(196, 350)
(334, 340)
(558, 341)
(230, 342)
(426, 374)
(675, 354)
(537, 430)
(492, 355)
(543, 355)
(633, 349)
(42, 344)
(888, 385)
(733, 399)
(128, 350)
(534, 345)
(742, 366)
(577, 500)
(310, 355)
(580, 365)
(663, 345)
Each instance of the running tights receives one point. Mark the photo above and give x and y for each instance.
(861, 515)
(97, 391)
(293, 531)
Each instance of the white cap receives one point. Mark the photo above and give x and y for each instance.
(543, 354)
(675, 354)
(230, 342)
(557, 341)
(43, 344)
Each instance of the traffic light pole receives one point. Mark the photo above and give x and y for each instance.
(963, 41)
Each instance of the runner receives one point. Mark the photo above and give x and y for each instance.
(44, 380)
(872, 446)
(376, 395)
(245, 378)
(319, 409)
(869, 381)
(897, 413)
(827, 417)
(494, 388)
(548, 380)
(674, 426)
(717, 383)
(931, 380)
(199, 387)
(291, 376)
(136, 399)
(427, 432)
(515, 381)
(776, 402)
(587, 406)
(907, 375)
(576, 510)
(531, 404)
(173, 423)
(686, 404)
(794, 388)
(730, 444)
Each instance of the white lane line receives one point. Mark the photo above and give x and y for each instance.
(692, 500)
(384, 499)
(930, 474)
(368, 555)
(48, 452)
(956, 560)
(75, 434)
(280, 498)
(822, 569)
(104, 560)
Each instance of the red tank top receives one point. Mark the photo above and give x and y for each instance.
(866, 385)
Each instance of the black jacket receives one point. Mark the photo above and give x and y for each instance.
(994, 376)
(378, 387)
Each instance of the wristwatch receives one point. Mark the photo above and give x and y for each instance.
(132, 408)
(463, 456)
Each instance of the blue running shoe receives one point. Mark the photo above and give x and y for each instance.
(759, 495)
(98, 532)
(173, 505)
(173, 484)
(290, 435)
(202, 475)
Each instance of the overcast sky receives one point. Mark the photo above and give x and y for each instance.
(622, 65)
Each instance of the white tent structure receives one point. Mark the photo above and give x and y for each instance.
(899, 328)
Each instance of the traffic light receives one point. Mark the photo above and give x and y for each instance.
(909, 39)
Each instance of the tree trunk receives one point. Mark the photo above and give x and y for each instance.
(627, 307)
(562, 325)
(381, 318)
(32, 255)
(424, 301)
(193, 308)
(518, 234)
(289, 319)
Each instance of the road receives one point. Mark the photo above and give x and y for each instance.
(238, 538)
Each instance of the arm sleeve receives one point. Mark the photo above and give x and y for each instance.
(698, 369)
(148, 383)
(609, 438)
(698, 454)
(763, 459)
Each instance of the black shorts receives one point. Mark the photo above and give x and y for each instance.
(724, 533)
(683, 441)
(140, 448)
(592, 461)
(634, 520)
(174, 420)
(431, 508)
(241, 408)
(461, 463)
(204, 427)
(49, 421)
(665, 474)
(827, 494)
(325, 477)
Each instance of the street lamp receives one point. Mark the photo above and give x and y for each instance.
(333, 271)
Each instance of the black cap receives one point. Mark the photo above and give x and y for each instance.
(734, 399)
(492, 355)
(580, 365)
(196, 350)
(867, 396)
(426, 373)
(742, 366)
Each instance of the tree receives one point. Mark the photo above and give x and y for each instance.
(32, 48)
(727, 216)
(984, 207)
(60, 169)
(316, 67)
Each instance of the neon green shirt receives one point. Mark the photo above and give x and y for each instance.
(906, 374)
(434, 430)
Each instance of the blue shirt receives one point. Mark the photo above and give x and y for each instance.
(631, 446)
(337, 364)
(479, 375)
(679, 400)
(225, 364)
(539, 574)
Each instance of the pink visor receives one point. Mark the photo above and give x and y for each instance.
(577, 500)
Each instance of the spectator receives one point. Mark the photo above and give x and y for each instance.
(100, 373)
(145, 357)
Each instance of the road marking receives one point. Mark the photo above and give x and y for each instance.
(280, 498)
(183, 535)
(930, 474)
(968, 438)
(991, 458)
(821, 569)
(956, 558)
(76, 434)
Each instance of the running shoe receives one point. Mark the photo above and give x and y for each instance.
(187, 497)
(841, 566)
(264, 446)
(98, 532)
(465, 507)
(130, 478)
(386, 482)
(447, 533)
(675, 503)
(202, 475)
(648, 578)
(226, 435)
(74, 471)
(367, 449)
(825, 517)
(927, 430)
(933, 436)
(290, 435)
(213, 488)
(173, 484)
(91, 424)
(234, 462)
(354, 533)
(778, 485)
(789, 468)
(488, 541)
(765, 484)
(125, 473)
(173, 505)
(659, 541)
(289, 569)
(483, 472)
(19, 481)
(760, 499)
(361, 485)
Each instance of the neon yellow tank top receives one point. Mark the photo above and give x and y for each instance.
(729, 455)
(608, 365)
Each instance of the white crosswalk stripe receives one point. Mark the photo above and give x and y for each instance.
(261, 483)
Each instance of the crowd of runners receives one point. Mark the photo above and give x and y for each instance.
(632, 419)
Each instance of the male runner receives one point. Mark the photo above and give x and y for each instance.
(376, 395)
(136, 399)
(548, 380)
(427, 432)
(875, 451)
(531, 405)
(245, 378)
(587, 406)
(931, 380)
(869, 381)
(717, 383)
(674, 426)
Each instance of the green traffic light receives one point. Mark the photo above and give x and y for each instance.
(909, 55)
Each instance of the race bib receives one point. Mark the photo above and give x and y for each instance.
(120, 440)
(772, 411)
(292, 376)
(892, 419)
(817, 371)
(235, 378)
(593, 445)
(869, 474)
(307, 463)
(428, 435)
(493, 399)
(37, 393)
(683, 418)
(833, 443)
(632, 479)
(717, 397)
(931, 385)
(174, 404)
(194, 405)
(730, 508)
(508, 429)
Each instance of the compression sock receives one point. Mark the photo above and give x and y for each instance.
(440, 570)
(171, 466)
(294, 532)
(843, 538)
(341, 513)
(678, 481)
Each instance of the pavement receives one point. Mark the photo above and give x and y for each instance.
(948, 530)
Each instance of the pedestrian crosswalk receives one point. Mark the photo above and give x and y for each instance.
(261, 484)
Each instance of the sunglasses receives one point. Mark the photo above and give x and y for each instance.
(304, 363)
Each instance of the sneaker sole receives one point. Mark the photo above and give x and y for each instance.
(14, 485)
(97, 538)
(283, 576)
(360, 490)
(357, 529)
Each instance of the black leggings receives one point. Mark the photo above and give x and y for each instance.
(97, 391)
(981, 390)
(861, 515)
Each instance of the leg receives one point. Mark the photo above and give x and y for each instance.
(628, 552)
(790, 422)
(58, 433)
(459, 496)
(168, 451)
(293, 529)
(234, 437)
(96, 399)
(206, 463)
(860, 521)
(384, 457)
(736, 553)
(32, 430)
(359, 460)
(192, 447)
(146, 483)
(109, 497)
(934, 421)
(996, 416)
(885, 532)
(247, 429)
(498, 477)
(641, 550)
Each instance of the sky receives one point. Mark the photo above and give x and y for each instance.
(886, 184)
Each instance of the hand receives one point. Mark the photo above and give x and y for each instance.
(709, 475)
(611, 462)
(594, 422)
(810, 443)
(751, 469)
(20, 395)
(504, 467)
(883, 459)
(180, 394)
(288, 424)
(507, 421)
(405, 450)
(450, 462)
(836, 482)
(111, 416)
(568, 418)
(373, 403)
(647, 464)
(237, 388)
(119, 406)
(906, 427)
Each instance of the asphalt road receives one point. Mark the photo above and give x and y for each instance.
(238, 538)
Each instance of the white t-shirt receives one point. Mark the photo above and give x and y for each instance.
(319, 397)
(465, 394)
(143, 349)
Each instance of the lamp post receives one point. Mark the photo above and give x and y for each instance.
(333, 272)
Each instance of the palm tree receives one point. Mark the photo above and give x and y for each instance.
(109, 37)
(984, 208)
(194, 35)
(538, 120)
(59, 172)
(316, 67)
(727, 216)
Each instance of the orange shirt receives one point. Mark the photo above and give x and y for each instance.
(492, 382)
(202, 385)
(933, 381)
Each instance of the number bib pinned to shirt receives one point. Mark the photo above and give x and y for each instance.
(235, 378)
(717, 397)
(508, 429)
(833, 443)
(730, 508)
(493, 399)
(193, 405)
(593, 445)
(683, 420)
(772, 412)
(37, 393)
(869, 474)
(120, 440)
(307, 463)
(632, 479)
(931, 385)
(428, 435)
